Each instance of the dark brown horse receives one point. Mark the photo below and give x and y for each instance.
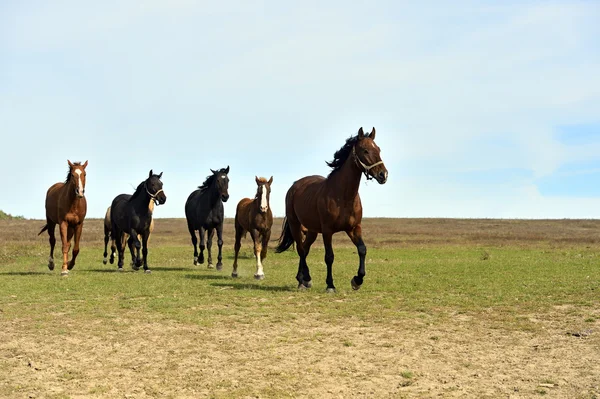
(315, 204)
(66, 207)
(254, 215)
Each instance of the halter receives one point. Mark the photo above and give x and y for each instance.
(365, 168)
(153, 196)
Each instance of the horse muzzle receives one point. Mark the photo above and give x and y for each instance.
(161, 199)
(224, 197)
(381, 176)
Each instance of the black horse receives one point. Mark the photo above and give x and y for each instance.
(132, 214)
(204, 211)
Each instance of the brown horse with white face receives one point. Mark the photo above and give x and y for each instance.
(254, 215)
(66, 207)
(315, 204)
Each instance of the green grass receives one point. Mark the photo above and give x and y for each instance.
(400, 283)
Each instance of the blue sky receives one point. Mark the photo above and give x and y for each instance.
(482, 109)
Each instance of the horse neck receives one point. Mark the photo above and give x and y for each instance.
(346, 179)
(213, 194)
(69, 190)
(143, 202)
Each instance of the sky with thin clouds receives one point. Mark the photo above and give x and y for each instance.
(482, 109)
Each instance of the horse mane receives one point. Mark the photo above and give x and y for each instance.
(69, 172)
(210, 179)
(138, 191)
(342, 154)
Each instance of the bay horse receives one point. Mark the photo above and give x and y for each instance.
(254, 216)
(66, 207)
(204, 212)
(315, 204)
(132, 214)
(113, 246)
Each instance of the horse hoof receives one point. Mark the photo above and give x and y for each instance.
(136, 268)
(210, 266)
(112, 260)
(105, 261)
(330, 290)
(259, 276)
(70, 266)
(195, 261)
(64, 273)
(201, 260)
(148, 271)
(307, 284)
(120, 269)
(51, 266)
(301, 287)
(354, 285)
(219, 267)
(234, 275)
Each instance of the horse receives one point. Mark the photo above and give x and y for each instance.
(315, 204)
(204, 212)
(254, 215)
(113, 247)
(66, 207)
(132, 214)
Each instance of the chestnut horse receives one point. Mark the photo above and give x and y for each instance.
(132, 214)
(204, 212)
(315, 204)
(254, 215)
(113, 246)
(66, 207)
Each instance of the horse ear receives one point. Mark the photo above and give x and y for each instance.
(271, 180)
(257, 181)
(159, 176)
(85, 165)
(70, 163)
(213, 172)
(227, 170)
(372, 135)
(361, 133)
(150, 174)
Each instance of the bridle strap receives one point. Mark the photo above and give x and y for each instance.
(153, 196)
(365, 168)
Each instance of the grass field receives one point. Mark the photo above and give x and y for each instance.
(449, 308)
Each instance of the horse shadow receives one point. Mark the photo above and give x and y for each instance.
(254, 286)
(206, 277)
(24, 273)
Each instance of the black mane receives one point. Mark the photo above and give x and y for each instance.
(69, 172)
(210, 179)
(139, 190)
(342, 154)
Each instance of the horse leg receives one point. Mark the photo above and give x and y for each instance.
(303, 267)
(194, 242)
(265, 244)
(201, 234)
(117, 236)
(327, 236)
(136, 242)
(303, 275)
(113, 250)
(78, 229)
(106, 240)
(52, 239)
(145, 236)
(210, 232)
(257, 239)
(128, 240)
(356, 237)
(63, 228)
(220, 245)
(239, 232)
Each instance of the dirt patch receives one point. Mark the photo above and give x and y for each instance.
(463, 357)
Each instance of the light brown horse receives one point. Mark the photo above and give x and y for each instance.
(254, 216)
(315, 204)
(66, 207)
(113, 246)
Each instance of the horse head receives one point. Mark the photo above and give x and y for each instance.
(368, 157)
(77, 176)
(263, 193)
(154, 188)
(222, 182)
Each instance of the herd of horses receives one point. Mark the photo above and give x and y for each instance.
(313, 205)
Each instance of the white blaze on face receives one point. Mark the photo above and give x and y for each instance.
(263, 199)
(78, 173)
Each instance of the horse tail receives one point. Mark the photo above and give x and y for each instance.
(286, 240)
(43, 229)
